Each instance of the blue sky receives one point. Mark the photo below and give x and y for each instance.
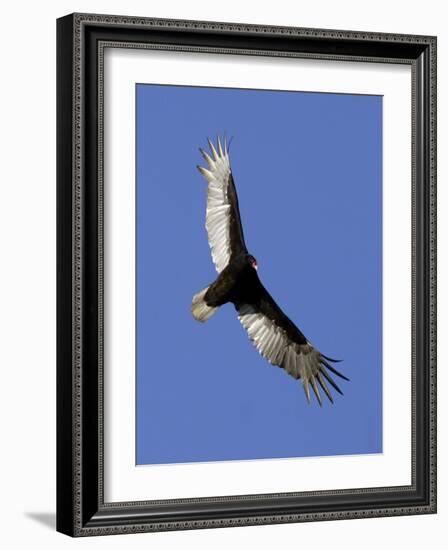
(308, 172)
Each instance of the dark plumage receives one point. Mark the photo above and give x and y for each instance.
(276, 337)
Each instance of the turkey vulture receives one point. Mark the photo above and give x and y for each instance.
(274, 335)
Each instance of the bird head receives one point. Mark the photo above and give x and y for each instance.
(252, 262)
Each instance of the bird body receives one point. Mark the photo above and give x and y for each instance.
(275, 336)
(238, 279)
(234, 281)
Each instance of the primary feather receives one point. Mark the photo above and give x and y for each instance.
(299, 359)
(222, 219)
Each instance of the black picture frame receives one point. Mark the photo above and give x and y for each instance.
(81, 510)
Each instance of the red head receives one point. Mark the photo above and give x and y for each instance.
(252, 262)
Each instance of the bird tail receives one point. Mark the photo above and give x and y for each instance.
(201, 311)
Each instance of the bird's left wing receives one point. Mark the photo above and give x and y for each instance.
(223, 222)
(278, 340)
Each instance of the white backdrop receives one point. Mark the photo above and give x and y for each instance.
(123, 480)
(27, 229)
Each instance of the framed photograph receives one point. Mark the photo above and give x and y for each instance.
(246, 274)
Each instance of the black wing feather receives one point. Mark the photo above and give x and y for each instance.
(268, 306)
(279, 340)
(237, 243)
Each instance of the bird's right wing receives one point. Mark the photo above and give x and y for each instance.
(278, 340)
(223, 222)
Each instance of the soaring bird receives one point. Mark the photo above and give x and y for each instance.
(274, 335)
